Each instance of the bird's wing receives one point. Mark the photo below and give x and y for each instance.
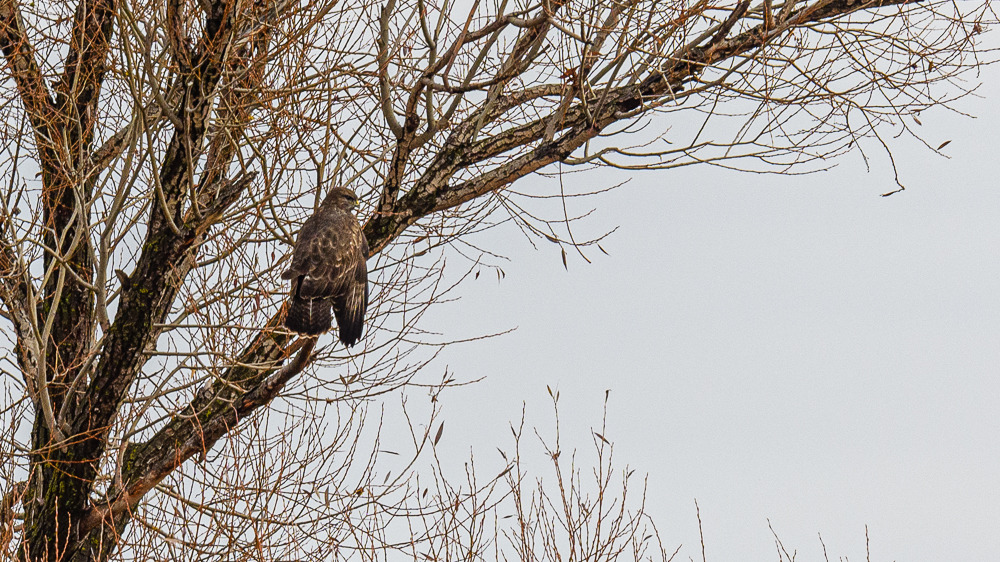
(323, 255)
(350, 304)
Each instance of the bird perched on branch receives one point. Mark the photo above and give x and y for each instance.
(328, 271)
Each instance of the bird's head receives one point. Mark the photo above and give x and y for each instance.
(341, 197)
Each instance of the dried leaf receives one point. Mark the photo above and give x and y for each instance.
(440, 431)
(944, 144)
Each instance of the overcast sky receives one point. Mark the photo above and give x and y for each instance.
(796, 349)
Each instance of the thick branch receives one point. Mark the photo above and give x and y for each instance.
(165, 258)
(23, 66)
(216, 410)
(78, 91)
(164, 264)
(581, 122)
(63, 132)
(180, 218)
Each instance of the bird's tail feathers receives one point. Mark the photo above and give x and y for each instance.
(309, 316)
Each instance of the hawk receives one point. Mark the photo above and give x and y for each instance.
(328, 271)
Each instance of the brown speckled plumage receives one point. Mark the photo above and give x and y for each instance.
(328, 271)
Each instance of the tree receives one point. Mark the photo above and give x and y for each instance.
(160, 156)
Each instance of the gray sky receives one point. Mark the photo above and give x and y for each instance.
(796, 349)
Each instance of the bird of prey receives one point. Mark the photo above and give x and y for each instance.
(328, 271)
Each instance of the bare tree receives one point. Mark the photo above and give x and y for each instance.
(160, 155)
